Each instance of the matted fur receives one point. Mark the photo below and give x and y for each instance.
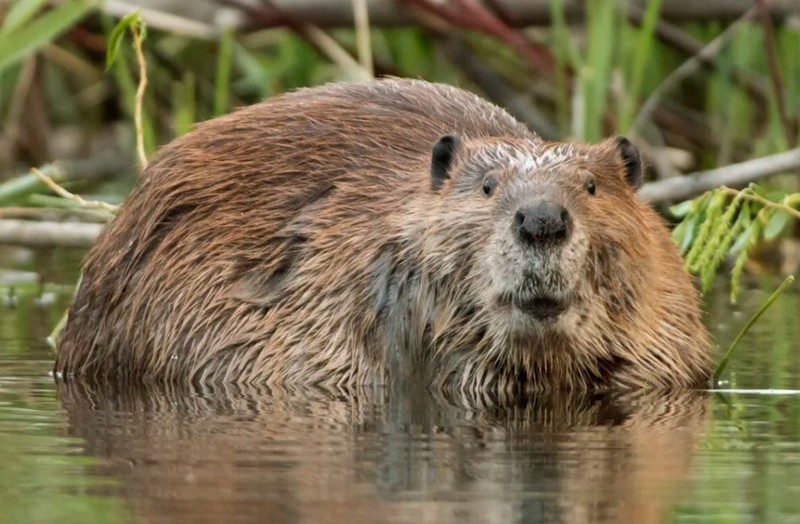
(300, 240)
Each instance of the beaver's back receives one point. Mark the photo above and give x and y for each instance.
(225, 202)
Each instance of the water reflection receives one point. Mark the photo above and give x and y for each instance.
(225, 455)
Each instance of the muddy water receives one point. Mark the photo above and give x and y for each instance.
(82, 453)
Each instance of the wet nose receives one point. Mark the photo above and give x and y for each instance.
(542, 222)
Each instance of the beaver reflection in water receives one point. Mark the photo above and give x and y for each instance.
(383, 232)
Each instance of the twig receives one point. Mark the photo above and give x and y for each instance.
(676, 37)
(137, 115)
(772, 298)
(48, 234)
(678, 188)
(361, 16)
(50, 213)
(688, 68)
(774, 70)
(335, 53)
(106, 165)
(753, 197)
(60, 191)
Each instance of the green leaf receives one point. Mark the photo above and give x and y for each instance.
(682, 209)
(746, 225)
(757, 189)
(29, 37)
(713, 213)
(776, 224)
(689, 229)
(792, 199)
(752, 233)
(746, 213)
(775, 196)
(115, 38)
(19, 13)
(253, 76)
(679, 233)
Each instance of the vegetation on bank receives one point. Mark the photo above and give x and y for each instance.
(75, 90)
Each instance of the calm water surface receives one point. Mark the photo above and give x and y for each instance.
(87, 454)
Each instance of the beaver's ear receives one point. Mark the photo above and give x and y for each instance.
(633, 162)
(444, 151)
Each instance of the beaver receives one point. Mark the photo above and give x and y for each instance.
(384, 232)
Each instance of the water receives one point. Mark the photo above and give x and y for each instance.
(88, 454)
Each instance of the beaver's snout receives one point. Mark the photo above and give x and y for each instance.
(541, 223)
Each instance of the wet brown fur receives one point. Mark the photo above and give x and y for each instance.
(300, 241)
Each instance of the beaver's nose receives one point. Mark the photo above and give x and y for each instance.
(542, 222)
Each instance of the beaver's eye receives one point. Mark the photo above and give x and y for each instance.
(590, 187)
(488, 185)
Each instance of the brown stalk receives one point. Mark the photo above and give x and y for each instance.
(470, 14)
(137, 115)
(774, 69)
(53, 186)
(753, 197)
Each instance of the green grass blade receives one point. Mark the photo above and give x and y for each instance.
(115, 37)
(223, 76)
(127, 85)
(564, 50)
(16, 45)
(772, 298)
(596, 73)
(566, 57)
(642, 55)
(55, 336)
(14, 190)
(185, 104)
(20, 13)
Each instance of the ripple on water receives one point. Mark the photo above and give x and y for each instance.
(82, 453)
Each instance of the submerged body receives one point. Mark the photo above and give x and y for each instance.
(384, 232)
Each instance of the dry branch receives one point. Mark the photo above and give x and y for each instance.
(205, 18)
(683, 187)
(55, 214)
(48, 234)
(680, 39)
(53, 186)
(361, 13)
(686, 69)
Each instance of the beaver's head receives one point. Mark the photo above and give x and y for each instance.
(553, 224)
